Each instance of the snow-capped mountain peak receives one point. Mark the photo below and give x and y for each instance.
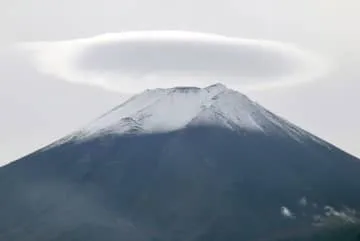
(162, 110)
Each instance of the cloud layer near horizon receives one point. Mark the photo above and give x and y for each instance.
(134, 61)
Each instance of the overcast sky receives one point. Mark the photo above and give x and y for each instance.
(37, 108)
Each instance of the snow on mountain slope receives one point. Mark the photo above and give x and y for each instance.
(163, 110)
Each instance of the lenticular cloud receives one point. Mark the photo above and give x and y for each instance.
(133, 61)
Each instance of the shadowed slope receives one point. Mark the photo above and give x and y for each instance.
(201, 183)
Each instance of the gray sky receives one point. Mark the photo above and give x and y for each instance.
(38, 108)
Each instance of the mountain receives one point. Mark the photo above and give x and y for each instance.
(182, 164)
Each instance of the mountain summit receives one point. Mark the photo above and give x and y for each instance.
(197, 164)
(165, 110)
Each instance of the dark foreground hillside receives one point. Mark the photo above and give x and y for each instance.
(199, 184)
(345, 233)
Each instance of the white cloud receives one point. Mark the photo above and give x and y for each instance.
(303, 201)
(133, 61)
(286, 212)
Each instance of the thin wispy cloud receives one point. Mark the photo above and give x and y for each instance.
(133, 61)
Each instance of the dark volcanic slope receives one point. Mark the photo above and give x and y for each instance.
(212, 180)
(202, 184)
